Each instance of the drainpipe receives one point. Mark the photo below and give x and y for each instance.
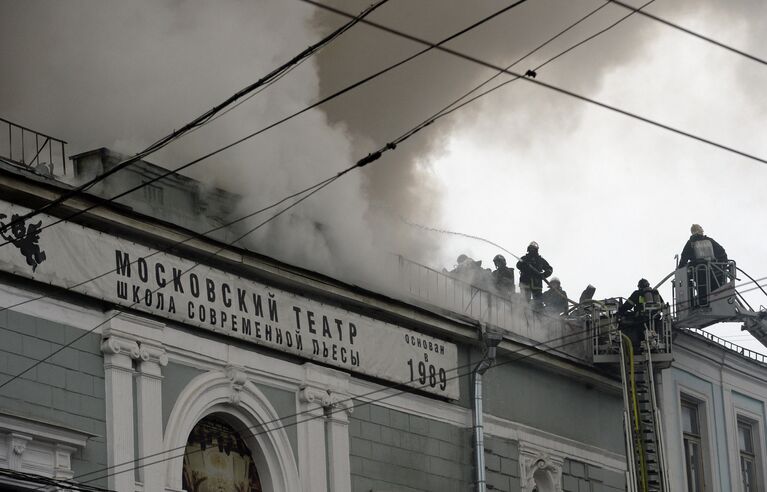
(490, 338)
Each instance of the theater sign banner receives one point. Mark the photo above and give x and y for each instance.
(137, 277)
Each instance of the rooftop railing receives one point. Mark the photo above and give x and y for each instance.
(479, 301)
(31, 149)
(751, 354)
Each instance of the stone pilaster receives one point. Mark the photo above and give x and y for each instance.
(311, 439)
(119, 353)
(337, 425)
(62, 462)
(152, 359)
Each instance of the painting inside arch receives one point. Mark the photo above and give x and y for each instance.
(216, 459)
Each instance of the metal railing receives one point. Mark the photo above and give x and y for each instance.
(481, 302)
(751, 354)
(28, 148)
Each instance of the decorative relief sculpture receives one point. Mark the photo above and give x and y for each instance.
(541, 470)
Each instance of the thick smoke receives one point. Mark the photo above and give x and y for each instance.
(404, 185)
(121, 74)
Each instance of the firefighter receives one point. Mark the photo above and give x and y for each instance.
(702, 250)
(471, 271)
(555, 298)
(533, 268)
(633, 313)
(503, 277)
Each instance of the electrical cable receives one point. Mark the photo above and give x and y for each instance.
(373, 156)
(514, 63)
(479, 238)
(407, 387)
(200, 120)
(313, 188)
(356, 397)
(551, 87)
(752, 279)
(454, 106)
(597, 34)
(406, 135)
(329, 183)
(291, 116)
(691, 32)
(45, 482)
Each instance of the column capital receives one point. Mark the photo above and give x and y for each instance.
(329, 400)
(115, 345)
(341, 404)
(313, 394)
(153, 353)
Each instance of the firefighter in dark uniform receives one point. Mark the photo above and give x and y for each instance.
(555, 298)
(702, 250)
(533, 268)
(503, 277)
(633, 313)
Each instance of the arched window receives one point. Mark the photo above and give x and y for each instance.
(217, 459)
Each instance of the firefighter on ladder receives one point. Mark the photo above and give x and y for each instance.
(633, 313)
(702, 250)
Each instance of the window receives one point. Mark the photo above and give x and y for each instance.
(153, 194)
(747, 452)
(216, 458)
(693, 446)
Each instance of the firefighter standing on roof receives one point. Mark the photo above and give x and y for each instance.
(503, 277)
(533, 268)
(555, 298)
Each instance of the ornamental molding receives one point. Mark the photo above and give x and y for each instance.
(327, 388)
(19, 443)
(339, 402)
(541, 468)
(116, 345)
(330, 401)
(237, 380)
(311, 394)
(153, 353)
(211, 392)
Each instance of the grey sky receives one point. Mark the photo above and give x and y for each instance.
(609, 199)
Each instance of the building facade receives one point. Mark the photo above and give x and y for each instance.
(139, 355)
(714, 401)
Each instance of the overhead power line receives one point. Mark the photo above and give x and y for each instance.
(202, 119)
(48, 482)
(691, 32)
(289, 117)
(373, 156)
(405, 135)
(311, 190)
(546, 85)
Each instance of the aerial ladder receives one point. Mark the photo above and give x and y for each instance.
(704, 293)
(646, 469)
